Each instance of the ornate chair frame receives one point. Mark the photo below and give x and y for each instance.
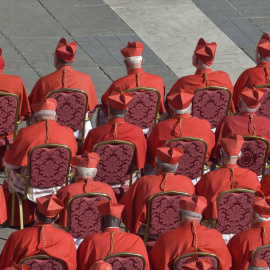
(235, 190)
(250, 138)
(254, 252)
(192, 139)
(132, 165)
(199, 253)
(142, 89)
(70, 90)
(43, 257)
(28, 176)
(16, 122)
(267, 85)
(91, 194)
(125, 254)
(150, 200)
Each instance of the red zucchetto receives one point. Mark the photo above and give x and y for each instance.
(89, 160)
(180, 100)
(119, 100)
(264, 45)
(198, 264)
(66, 51)
(49, 104)
(205, 51)
(101, 265)
(261, 204)
(132, 49)
(232, 145)
(252, 96)
(170, 155)
(193, 204)
(107, 208)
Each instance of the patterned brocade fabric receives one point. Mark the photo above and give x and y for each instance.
(85, 218)
(252, 158)
(70, 109)
(210, 105)
(234, 212)
(264, 109)
(191, 163)
(181, 263)
(114, 165)
(264, 254)
(36, 264)
(8, 106)
(164, 214)
(123, 263)
(49, 167)
(142, 109)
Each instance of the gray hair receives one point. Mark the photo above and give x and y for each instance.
(244, 107)
(186, 110)
(264, 58)
(227, 157)
(134, 60)
(85, 172)
(257, 268)
(117, 114)
(44, 113)
(166, 167)
(203, 65)
(259, 218)
(190, 214)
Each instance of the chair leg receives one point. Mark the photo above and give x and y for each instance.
(12, 209)
(21, 211)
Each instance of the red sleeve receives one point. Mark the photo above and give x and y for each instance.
(238, 87)
(265, 184)
(92, 96)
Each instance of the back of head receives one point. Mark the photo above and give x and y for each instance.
(46, 109)
(260, 208)
(66, 52)
(263, 48)
(258, 264)
(205, 51)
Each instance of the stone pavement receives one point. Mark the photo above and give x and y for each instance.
(169, 30)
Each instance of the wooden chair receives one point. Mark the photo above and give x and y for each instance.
(181, 260)
(211, 103)
(264, 109)
(43, 262)
(71, 108)
(48, 166)
(126, 260)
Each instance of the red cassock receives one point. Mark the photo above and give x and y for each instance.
(124, 132)
(215, 182)
(3, 208)
(136, 198)
(169, 129)
(203, 78)
(81, 186)
(182, 241)
(241, 125)
(265, 184)
(96, 246)
(256, 75)
(26, 139)
(57, 80)
(31, 241)
(133, 80)
(243, 243)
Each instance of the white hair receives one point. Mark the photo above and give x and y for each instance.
(257, 268)
(187, 110)
(203, 65)
(190, 213)
(85, 172)
(45, 113)
(244, 107)
(259, 218)
(166, 167)
(226, 156)
(134, 60)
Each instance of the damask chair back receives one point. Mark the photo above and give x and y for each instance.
(143, 108)
(9, 111)
(126, 260)
(48, 166)
(43, 262)
(162, 213)
(116, 165)
(182, 260)
(83, 216)
(262, 252)
(254, 154)
(71, 108)
(264, 109)
(192, 162)
(233, 208)
(211, 103)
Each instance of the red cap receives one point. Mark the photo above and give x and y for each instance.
(119, 100)
(261, 204)
(252, 96)
(169, 155)
(2, 61)
(45, 104)
(264, 45)
(232, 144)
(18, 267)
(88, 160)
(66, 51)
(180, 99)
(132, 49)
(49, 206)
(101, 265)
(258, 263)
(193, 204)
(107, 208)
(205, 51)
(198, 264)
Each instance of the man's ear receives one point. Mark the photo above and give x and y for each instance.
(143, 61)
